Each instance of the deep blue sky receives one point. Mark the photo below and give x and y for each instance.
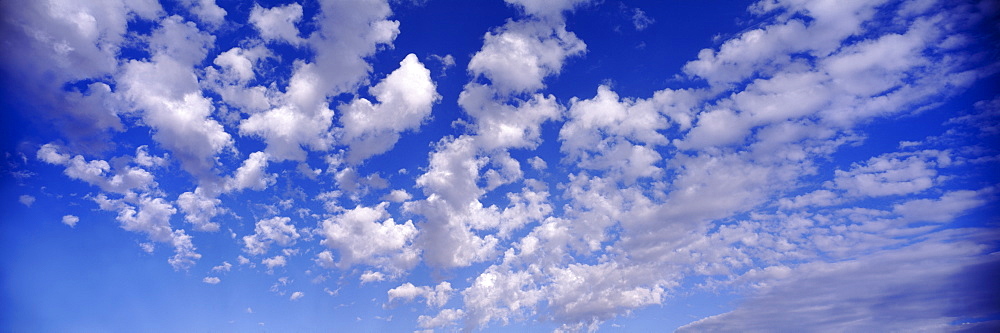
(518, 165)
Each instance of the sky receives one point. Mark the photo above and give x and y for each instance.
(488, 165)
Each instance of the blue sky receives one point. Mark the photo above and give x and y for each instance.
(517, 165)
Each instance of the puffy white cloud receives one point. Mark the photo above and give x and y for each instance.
(436, 297)
(820, 198)
(551, 9)
(207, 11)
(199, 208)
(211, 280)
(891, 174)
(276, 261)
(499, 124)
(98, 172)
(251, 174)
(367, 235)
(296, 295)
(405, 98)
(173, 104)
(278, 23)
(26, 200)
(519, 55)
(537, 163)
(304, 120)
(277, 229)
(444, 318)
(70, 220)
(399, 195)
(370, 276)
(224, 267)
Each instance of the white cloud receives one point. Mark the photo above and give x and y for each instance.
(926, 283)
(224, 267)
(499, 124)
(367, 235)
(399, 195)
(276, 261)
(70, 220)
(173, 105)
(211, 280)
(537, 163)
(942, 210)
(444, 318)
(207, 11)
(296, 295)
(519, 55)
(278, 230)
(890, 174)
(640, 20)
(435, 297)
(370, 276)
(26, 200)
(251, 174)
(278, 23)
(405, 98)
(551, 9)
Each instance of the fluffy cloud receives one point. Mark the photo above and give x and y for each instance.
(367, 235)
(404, 99)
(519, 55)
(211, 280)
(278, 230)
(26, 200)
(436, 297)
(70, 220)
(173, 105)
(278, 23)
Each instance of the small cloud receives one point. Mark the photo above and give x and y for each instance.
(446, 61)
(211, 280)
(26, 200)
(640, 20)
(147, 247)
(369, 276)
(249, 310)
(70, 220)
(537, 163)
(225, 267)
(296, 295)
(397, 196)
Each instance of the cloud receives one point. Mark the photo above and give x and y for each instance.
(267, 231)
(278, 23)
(276, 261)
(519, 55)
(640, 20)
(26, 200)
(296, 296)
(367, 235)
(211, 280)
(404, 98)
(435, 296)
(397, 196)
(928, 283)
(70, 220)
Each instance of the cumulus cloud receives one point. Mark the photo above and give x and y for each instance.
(367, 235)
(519, 55)
(211, 280)
(278, 23)
(404, 100)
(26, 200)
(275, 230)
(70, 220)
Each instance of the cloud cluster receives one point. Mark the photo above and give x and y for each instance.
(737, 183)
